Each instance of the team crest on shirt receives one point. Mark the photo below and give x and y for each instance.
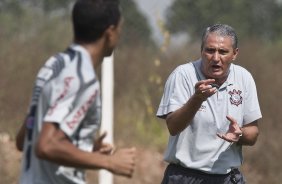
(235, 97)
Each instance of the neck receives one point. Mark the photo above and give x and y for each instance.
(96, 51)
(221, 80)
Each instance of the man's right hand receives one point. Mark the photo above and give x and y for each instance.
(122, 162)
(204, 89)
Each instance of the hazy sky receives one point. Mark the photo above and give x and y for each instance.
(154, 10)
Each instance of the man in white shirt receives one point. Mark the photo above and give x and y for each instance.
(211, 110)
(65, 110)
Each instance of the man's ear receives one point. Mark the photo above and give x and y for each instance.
(110, 33)
(235, 53)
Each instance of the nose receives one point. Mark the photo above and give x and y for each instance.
(216, 56)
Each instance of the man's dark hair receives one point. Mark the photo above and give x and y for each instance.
(92, 17)
(221, 30)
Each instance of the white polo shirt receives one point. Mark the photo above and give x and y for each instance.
(198, 146)
(66, 92)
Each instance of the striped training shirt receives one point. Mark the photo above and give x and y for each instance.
(66, 92)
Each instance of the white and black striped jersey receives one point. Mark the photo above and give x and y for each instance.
(66, 92)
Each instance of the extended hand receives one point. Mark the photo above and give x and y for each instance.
(122, 162)
(234, 133)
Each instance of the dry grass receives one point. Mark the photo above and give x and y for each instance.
(9, 161)
(140, 73)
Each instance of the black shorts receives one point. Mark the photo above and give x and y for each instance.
(176, 174)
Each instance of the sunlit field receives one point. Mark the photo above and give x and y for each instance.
(140, 73)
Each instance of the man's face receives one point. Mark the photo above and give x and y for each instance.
(115, 32)
(217, 55)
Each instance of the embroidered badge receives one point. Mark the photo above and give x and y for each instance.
(235, 97)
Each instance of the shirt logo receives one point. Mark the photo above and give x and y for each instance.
(67, 82)
(235, 97)
(82, 111)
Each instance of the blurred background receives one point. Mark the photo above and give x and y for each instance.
(158, 35)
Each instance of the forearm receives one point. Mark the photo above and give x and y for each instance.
(178, 120)
(65, 153)
(249, 134)
(53, 145)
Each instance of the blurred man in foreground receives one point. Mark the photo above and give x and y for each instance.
(64, 115)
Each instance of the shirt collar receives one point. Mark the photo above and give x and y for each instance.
(85, 54)
(229, 81)
(80, 49)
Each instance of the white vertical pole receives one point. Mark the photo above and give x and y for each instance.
(106, 177)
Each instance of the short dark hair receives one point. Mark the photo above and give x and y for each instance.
(92, 17)
(222, 30)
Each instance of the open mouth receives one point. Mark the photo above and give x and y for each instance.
(216, 67)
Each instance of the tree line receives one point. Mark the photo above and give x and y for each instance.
(252, 19)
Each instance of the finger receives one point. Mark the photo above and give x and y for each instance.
(219, 135)
(102, 136)
(224, 137)
(114, 150)
(107, 146)
(107, 151)
(231, 119)
(129, 174)
(209, 90)
(132, 170)
(227, 138)
(205, 91)
(238, 132)
(99, 140)
(209, 81)
(234, 124)
(205, 82)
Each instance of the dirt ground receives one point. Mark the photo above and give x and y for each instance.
(149, 166)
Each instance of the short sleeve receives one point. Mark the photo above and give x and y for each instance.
(69, 101)
(252, 110)
(176, 93)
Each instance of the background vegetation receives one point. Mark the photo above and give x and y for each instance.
(31, 31)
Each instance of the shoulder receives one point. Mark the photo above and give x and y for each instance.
(185, 66)
(62, 71)
(242, 76)
(238, 68)
(184, 69)
(183, 75)
(240, 71)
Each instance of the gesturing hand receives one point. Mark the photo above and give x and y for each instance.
(204, 88)
(234, 133)
(102, 147)
(122, 161)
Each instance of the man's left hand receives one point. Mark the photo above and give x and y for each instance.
(234, 133)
